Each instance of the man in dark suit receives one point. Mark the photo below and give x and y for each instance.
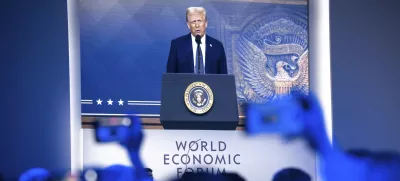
(196, 52)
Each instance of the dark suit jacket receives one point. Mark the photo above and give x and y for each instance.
(180, 59)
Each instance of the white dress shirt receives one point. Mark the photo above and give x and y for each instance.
(203, 50)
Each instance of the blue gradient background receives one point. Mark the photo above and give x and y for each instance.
(365, 79)
(35, 124)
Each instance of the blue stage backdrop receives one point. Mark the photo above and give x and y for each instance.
(125, 46)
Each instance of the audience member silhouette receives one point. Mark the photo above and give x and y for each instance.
(291, 174)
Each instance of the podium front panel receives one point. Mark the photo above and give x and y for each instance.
(224, 110)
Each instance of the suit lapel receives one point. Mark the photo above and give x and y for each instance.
(190, 52)
(207, 53)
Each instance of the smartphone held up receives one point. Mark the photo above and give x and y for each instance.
(282, 116)
(112, 129)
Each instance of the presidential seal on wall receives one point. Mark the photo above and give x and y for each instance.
(199, 97)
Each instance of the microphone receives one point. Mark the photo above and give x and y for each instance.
(198, 39)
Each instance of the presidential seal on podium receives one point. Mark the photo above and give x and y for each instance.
(199, 97)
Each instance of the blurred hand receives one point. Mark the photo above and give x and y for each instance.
(135, 137)
(133, 144)
(334, 163)
(314, 123)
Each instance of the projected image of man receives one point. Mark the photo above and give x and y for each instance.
(196, 52)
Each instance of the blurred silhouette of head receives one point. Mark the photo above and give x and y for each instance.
(291, 174)
(359, 153)
(35, 174)
(375, 156)
(387, 156)
(149, 172)
(41, 174)
(201, 176)
(382, 165)
(233, 177)
(117, 173)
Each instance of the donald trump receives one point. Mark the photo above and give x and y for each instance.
(196, 52)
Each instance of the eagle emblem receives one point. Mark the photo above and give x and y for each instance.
(271, 62)
(198, 97)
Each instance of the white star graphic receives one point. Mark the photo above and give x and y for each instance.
(110, 102)
(120, 102)
(99, 101)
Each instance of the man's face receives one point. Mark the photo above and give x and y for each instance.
(197, 24)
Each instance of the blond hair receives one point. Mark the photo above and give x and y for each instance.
(197, 10)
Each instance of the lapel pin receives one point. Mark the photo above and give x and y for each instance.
(210, 45)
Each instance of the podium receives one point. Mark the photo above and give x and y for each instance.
(198, 102)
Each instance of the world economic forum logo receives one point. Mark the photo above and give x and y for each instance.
(199, 97)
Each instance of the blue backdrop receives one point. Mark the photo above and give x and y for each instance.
(125, 46)
(35, 123)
